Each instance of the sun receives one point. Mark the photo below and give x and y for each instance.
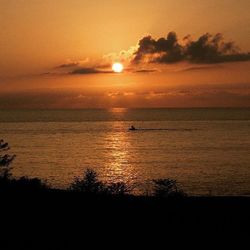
(117, 67)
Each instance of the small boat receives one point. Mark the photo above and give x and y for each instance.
(132, 128)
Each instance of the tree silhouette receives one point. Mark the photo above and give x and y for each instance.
(90, 184)
(167, 188)
(5, 160)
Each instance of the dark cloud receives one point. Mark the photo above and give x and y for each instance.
(103, 66)
(205, 67)
(205, 50)
(76, 68)
(68, 65)
(145, 71)
(164, 50)
(86, 71)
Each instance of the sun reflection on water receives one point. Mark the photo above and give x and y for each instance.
(118, 110)
(118, 167)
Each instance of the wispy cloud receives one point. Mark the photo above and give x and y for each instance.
(198, 68)
(68, 65)
(86, 71)
(145, 71)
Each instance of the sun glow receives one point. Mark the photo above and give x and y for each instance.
(117, 67)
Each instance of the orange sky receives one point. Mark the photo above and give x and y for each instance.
(43, 36)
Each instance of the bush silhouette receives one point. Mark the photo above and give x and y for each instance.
(119, 188)
(90, 185)
(29, 184)
(166, 188)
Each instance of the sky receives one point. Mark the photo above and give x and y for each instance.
(184, 53)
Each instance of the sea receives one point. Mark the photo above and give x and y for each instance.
(206, 150)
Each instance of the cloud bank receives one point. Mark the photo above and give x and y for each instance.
(207, 49)
(219, 95)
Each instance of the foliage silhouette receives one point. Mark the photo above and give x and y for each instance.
(5, 160)
(90, 184)
(166, 188)
(22, 184)
(29, 184)
(119, 188)
(7, 182)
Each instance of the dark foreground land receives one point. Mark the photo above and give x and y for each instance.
(91, 212)
(34, 220)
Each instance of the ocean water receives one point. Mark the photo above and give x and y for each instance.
(206, 150)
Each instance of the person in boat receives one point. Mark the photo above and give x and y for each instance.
(132, 128)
